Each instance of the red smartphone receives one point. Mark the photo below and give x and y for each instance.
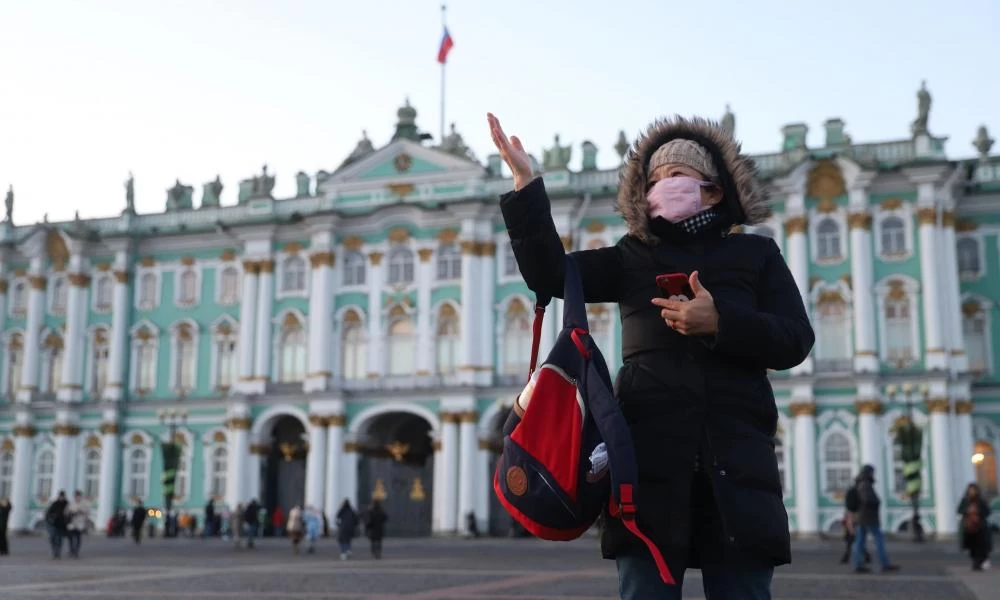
(674, 286)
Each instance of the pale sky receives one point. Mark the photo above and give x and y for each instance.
(189, 89)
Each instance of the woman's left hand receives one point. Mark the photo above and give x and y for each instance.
(694, 317)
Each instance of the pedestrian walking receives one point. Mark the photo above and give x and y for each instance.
(347, 527)
(295, 526)
(78, 514)
(375, 520)
(139, 514)
(314, 527)
(706, 312)
(278, 521)
(5, 508)
(236, 527)
(55, 522)
(209, 529)
(251, 521)
(869, 521)
(975, 527)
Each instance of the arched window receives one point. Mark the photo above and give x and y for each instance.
(354, 269)
(292, 350)
(15, 358)
(219, 468)
(6, 474)
(765, 231)
(898, 325)
(226, 357)
(103, 293)
(353, 349)
(969, 265)
(187, 285)
(100, 351)
(893, 236)
(183, 474)
(137, 474)
(449, 262)
(516, 339)
(984, 458)
(833, 329)
(147, 290)
(92, 474)
(293, 274)
(52, 349)
(44, 469)
(400, 265)
(145, 360)
(838, 463)
(975, 334)
(448, 340)
(185, 358)
(828, 240)
(58, 293)
(19, 297)
(600, 325)
(402, 343)
(510, 268)
(229, 285)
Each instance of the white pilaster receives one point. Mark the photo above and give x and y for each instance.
(71, 389)
(334, 465)
(316, 461)
(931, 288)
(958, 358)
(118, 353)
(806, 495)
(20, 497)
(486, 318)
(944, 493)
(253, 489)
(349, 470)
(966, 471)
(449, 474)
(107, 497)
(265, 306)
(320, 315)
(862, 286)
(437, 508)
(33, 331)
(468, 467)
(425, 334)
(484, 487)
(469, 324)
(239, 453)
(798, 264)
(66, 435)
(248, 321)
(376, 278)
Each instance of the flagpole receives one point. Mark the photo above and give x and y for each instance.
(443, 65)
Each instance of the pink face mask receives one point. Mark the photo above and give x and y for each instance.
(676, 198)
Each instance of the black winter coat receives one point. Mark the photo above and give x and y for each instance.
(681, 395)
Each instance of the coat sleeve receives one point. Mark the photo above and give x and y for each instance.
(539, 251)
(777, 334)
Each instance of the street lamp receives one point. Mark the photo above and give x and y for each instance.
(171, 460)
(909, 439)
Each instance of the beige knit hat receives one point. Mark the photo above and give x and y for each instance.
(684, 152)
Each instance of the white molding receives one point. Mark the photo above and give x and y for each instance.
(905, 214)
(979, 240)
(179, 271)
(208, 449)
(41, 447)
(266, 419)
(786, 434)
(276, 347)
(215, 338)
(364, 417)
(438, 256)
(827, 432)
(986, 311)
(50, 295)
(409, 257)
(14, 310)
(505, 254)
(174, 329)
(5, 376)
(281, 261)
(913, 289)
(88, 358)
(126, 462)
(844, 291)
(140, 273)
(839, 218)
(97, 279)
(222, 267)
(353, 287)
(134, 344)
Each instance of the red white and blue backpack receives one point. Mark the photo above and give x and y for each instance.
(569, 453)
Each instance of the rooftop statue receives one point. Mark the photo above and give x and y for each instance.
(983, 143)
(216, 187)
(130, 193)
(621, 146)
(9, 203)
(729, 122)
(262, 185)
(556, 158)
(454, 144)
(363, 149)
(923, 110)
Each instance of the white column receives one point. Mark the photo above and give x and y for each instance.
(449, 472)
(930, 289)
(64, 475)
(945, 497)
(863, 300)
(118, 353)
(806, 495)
(437, 508)
(334, 462)
(239, 451)
(265, 305)
(376, 357)
(484, 486)
(316, 461)
(959, 359)
(252, 485)
(76, 322)
(468, 463)
(248, 320)
(20, 497)
(107, 494)
(966, 472)
(33, 332)
(349, 470)
(868, 431)
(425, 334)
(469, 323)
(320, 321)
(798, 264)
(486, 315)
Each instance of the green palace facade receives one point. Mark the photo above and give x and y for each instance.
(366, 337)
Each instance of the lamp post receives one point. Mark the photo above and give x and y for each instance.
(909, 439)
(171, 460)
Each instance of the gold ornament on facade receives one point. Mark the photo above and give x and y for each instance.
(81, 280)
(103, 267)
(927, 216)
(288, 450)
(251, 267)
(290, 321)
(23, 431)
(260, 449)
(7, 445)
(317, 421)
(401, 190)
(353, 243)
(869, 407)
(596, 227)
(948, 218)
(860, 220)
(830, 297)
(292, 248)
(397, 450)
(486, 249)
(239, 423)
(971, 308)
(321, 259)
(375, 258)
(55, 247)
(567, 242)
(425, 254)
(447, 236)
(802, 409)
(825, 182)
(350, 447)
(228, 255)
(484, 444)
(469, 416)
(938, 405)
(468, 247)
(963, 407)
(121, 276)
(137, 440)
(187, 261)
(891, 204)
(399, 235)
(379, 493)
(336, 420)
(846, 278)
(436, 445)
(826, 206)
(965, 225)
(449, 417)
(53, 341)
(219, 437)
(897, 290)
(38, 282)
(417, 493)
(3, 286)
(147, 261)
(795, 225)
(266, 266)
(143, 334)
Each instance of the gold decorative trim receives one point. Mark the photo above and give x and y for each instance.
(147, 261)
(469, 416)
(317, 421)
(826, 206)
(108, 428)
(567, 242)
(239, 423)
(596, 227)
(71, 386)
(891, 204)
(266, 266)
(228, 255)
(450, 417)
(353, 243)
(487, 249)
(401, 190)
(860, 220)
(436, 445)
(869, 407)
(802, 409)
(964, 407)
(38, 282)
(23, 431)
(965, 225)
(958, 352)
(319, 374)
(796, 225)
(3, 286)
(103, 267)
(219, 437)
(948, 218)
(861, 353)
(187, 261)
(846, 278)
(322, 259)
(92, 441)
(260, 449)
(485, 445)
(423, 372)
(399, 235)
(251, 267)
(938, 405)
(425, 254)
(375, 258)
(121, 276)
(447, 236)
(469, 247)
(79, 279)
(336, 420)
(292, 248)
(351, 446)
(927, 216)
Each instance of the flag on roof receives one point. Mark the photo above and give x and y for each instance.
(446, 44)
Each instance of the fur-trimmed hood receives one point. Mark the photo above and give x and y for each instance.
(744, 200)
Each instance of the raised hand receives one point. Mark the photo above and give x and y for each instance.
(695, 317)
(512, 153)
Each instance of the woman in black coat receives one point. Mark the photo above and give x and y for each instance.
(5, 509)
(693, 385)
(375, 527)
(347, 526)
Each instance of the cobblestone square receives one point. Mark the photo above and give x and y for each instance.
(432, 569)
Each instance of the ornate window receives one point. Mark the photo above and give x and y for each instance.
(402, 342)
(899, 339)
(19, 297)
(838, 463)
(833, 330)
(969, 263)
(183, 474)
(291, 350)
(6, 469)
(516, 339)
(53, 353)
(893, 236)
(229, 285)
(219, 467)
(45, 467)
(293, 274)
(354, 357)
(449, 342)
(148, 290)
(187, 287)
(510, 268)
(103, 293)
(15, 358)
(92, 474)
(99, 353)
(400, 266)
(226, 355)
(137, 473)
(144, 358)
(185, 371)
(828, 240)
(58, 295)
(354, 269)
(976, 335)
(984, 458)
(449, 262)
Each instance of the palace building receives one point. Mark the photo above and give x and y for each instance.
(366, 337)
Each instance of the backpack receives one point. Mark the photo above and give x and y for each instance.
(852, 501)
(569, 453)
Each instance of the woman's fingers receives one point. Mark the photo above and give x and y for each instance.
(517, 143)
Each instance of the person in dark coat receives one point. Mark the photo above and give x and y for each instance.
(208, 530)
(347, 526)
(375, 527)
(693, 385)
(4, 520)
(251, 521)
(975, 528)
(55, 522)
(869, 521)
(139, 515)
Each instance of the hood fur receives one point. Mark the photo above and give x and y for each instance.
(744, 200)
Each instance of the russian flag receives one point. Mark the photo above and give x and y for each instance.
(446, 44)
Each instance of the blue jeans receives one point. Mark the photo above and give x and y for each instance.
(638, 579)
(857, 555)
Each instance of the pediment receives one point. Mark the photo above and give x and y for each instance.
(403, 161)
